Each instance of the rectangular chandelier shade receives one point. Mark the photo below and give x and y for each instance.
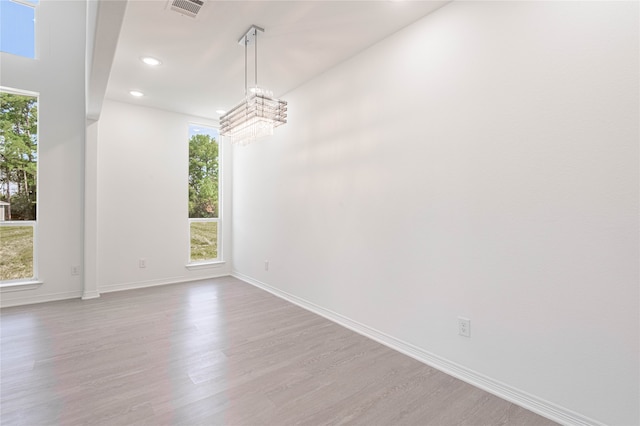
(258, 113)
(256, 116)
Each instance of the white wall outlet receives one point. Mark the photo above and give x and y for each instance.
(75, 270)
(266, 265)
(142, 263)
(464, 327)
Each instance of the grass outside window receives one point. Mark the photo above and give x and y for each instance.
(16, 252)
(204, 241)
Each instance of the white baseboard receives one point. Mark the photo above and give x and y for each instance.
(154, 283)
(30, 300)
(90, 295)
(502, 390)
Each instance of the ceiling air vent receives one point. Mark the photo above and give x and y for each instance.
(186, 7)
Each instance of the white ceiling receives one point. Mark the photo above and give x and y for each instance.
(203, 64)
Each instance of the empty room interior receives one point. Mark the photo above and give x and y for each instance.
(320, 212)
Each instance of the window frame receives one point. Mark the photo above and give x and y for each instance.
(33, 281)
(219, 260)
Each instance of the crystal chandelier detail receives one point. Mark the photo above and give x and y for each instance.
(258, 113)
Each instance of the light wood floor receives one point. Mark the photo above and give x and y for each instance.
(218, 352)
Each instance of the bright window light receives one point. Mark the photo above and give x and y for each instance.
(17, 28)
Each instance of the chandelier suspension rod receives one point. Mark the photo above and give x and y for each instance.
(246, 41)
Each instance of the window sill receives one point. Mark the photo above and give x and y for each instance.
(205, 265)
(21, 285)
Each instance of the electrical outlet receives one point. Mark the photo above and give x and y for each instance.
(142, 263)
(266, 265)
(464, 327)
(75, 270)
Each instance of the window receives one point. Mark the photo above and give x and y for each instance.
(18, 185)
(18, 27)
(204, 201)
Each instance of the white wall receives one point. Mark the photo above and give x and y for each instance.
(482, 163)
(142, 198)
(58, 76)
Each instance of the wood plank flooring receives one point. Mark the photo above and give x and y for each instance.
(218, 352)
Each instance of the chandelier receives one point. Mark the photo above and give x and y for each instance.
(258, 113)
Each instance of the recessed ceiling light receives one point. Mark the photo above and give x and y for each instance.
(136, 93)
(150, 61)
(220, 111)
